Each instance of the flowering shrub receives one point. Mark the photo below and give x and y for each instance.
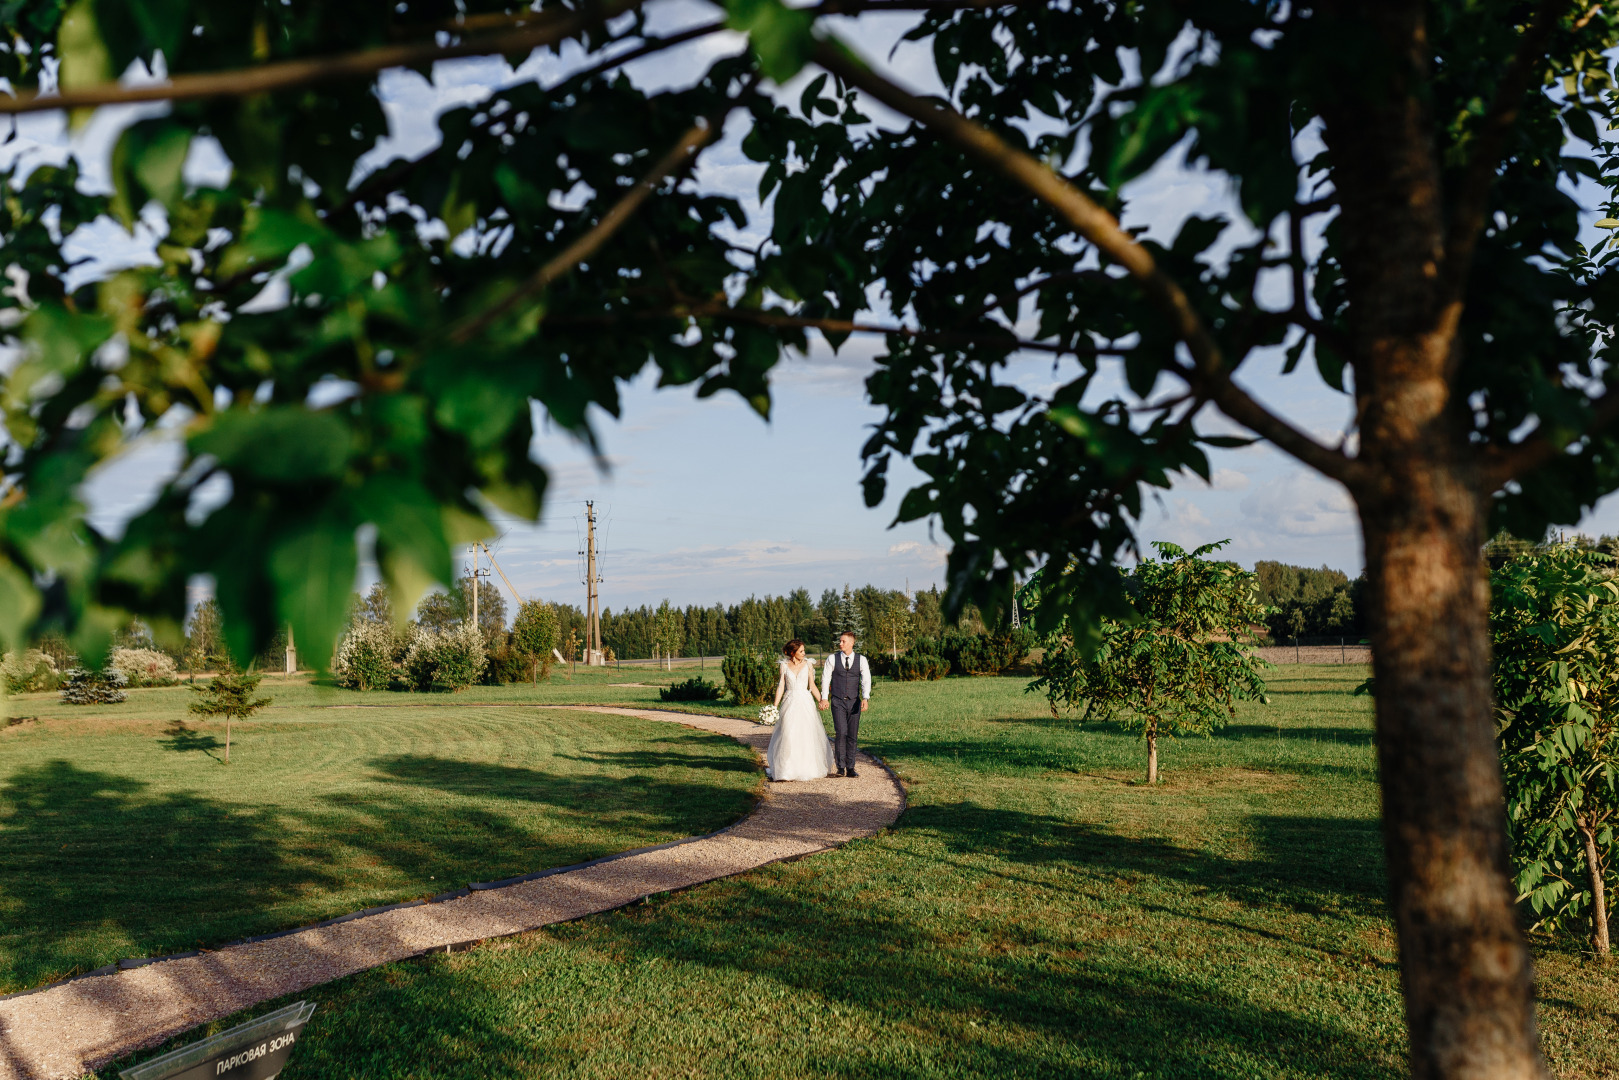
(448, 660)
(27, 672)
(365, 658)
(143, 667)
(86, 687)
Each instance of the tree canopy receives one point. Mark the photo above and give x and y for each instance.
(1405, 229)
(1175, 664)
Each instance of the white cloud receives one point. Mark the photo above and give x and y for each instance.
(1228, 480)
(1301, 504)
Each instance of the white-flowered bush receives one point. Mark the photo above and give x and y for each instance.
(28, 672)
(449, 660)
(144, 667)
(365, 658)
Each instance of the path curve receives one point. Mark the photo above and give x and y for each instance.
(63, 1031)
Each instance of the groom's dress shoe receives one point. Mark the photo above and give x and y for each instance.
(850, 773)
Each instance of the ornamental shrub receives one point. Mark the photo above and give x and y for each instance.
(28, 672)
(750, 676)
(989, 653)
(447, 660)
(144, 667)
(697, 689)
(365, 658)
(914, 667)
(85, 687)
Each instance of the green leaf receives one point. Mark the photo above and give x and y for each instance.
(289, 444)
(779, 35)
(147, 163)
(19, 604)
(312, 565)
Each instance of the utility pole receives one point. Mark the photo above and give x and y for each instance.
(593, 626)
(292, 652)
(475, 585)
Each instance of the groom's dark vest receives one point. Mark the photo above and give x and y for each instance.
(845, 684)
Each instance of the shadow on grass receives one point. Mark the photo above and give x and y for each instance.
(877, 983)
(94, 867)
(1341, 735)
(182, 739)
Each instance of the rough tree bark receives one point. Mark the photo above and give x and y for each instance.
(1468, 977)
(1152, 751)
(1599, 895)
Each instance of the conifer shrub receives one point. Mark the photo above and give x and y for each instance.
(750, 676)
(230, 695)
(696, 689)
(85, 687)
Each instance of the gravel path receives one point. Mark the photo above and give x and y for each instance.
(68, 1029)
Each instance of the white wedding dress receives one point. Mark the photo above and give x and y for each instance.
(799, 748)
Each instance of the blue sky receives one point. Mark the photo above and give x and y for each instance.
(703, 501)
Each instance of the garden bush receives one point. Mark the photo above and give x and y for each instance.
(697, 689)
(28, 672)
(914, 667)
(446, 660)
(989, 653)
(144, 667)
(508, 664)
(366, 657)
(750, 676)
(85, 687)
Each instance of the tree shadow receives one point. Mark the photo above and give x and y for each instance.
(648, 760)
(1345, 736)
(922, 997)
(93, 869)
(182, 739)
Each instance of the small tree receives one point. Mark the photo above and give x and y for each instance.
(202, 640)
(668, 631)
(893, 627)
(1176, 662)
(229, 694)
(1555, 627)
(534, 632)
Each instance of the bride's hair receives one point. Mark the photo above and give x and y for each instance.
(790, 649)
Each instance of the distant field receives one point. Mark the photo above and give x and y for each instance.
(1036, 912)
(122, 834)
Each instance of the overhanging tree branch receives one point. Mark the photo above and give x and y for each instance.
(678, 157)
(1208, 372)
(541, 30)
(758, 317)
(1514, 462)
(1472, 198)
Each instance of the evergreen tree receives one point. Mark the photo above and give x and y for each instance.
(849, 619)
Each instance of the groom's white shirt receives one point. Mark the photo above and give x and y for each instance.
(838, 658)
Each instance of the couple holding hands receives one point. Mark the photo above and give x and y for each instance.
(799, 748)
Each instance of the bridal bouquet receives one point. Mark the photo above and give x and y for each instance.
(769, 714)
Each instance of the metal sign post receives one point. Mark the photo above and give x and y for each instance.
(256, 1050)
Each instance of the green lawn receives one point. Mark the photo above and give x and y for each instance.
(1036, 913)
(123, 834)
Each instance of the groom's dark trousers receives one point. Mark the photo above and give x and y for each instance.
(845, 696)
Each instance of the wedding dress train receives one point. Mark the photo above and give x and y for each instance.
(799, 748)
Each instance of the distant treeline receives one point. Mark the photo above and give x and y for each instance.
(1311, 602)
(885, 619)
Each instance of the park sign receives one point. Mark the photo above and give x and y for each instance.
(256, 1050)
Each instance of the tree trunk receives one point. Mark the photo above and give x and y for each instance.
(227, 740)
(1467, 975)
(1152, 752)
(1599, 896)
(1468, 979)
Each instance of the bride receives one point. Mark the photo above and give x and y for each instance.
(799, 748)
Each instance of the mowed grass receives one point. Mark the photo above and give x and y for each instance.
(123, 833)
(1036, 912)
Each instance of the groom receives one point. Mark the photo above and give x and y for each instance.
(846, 686)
